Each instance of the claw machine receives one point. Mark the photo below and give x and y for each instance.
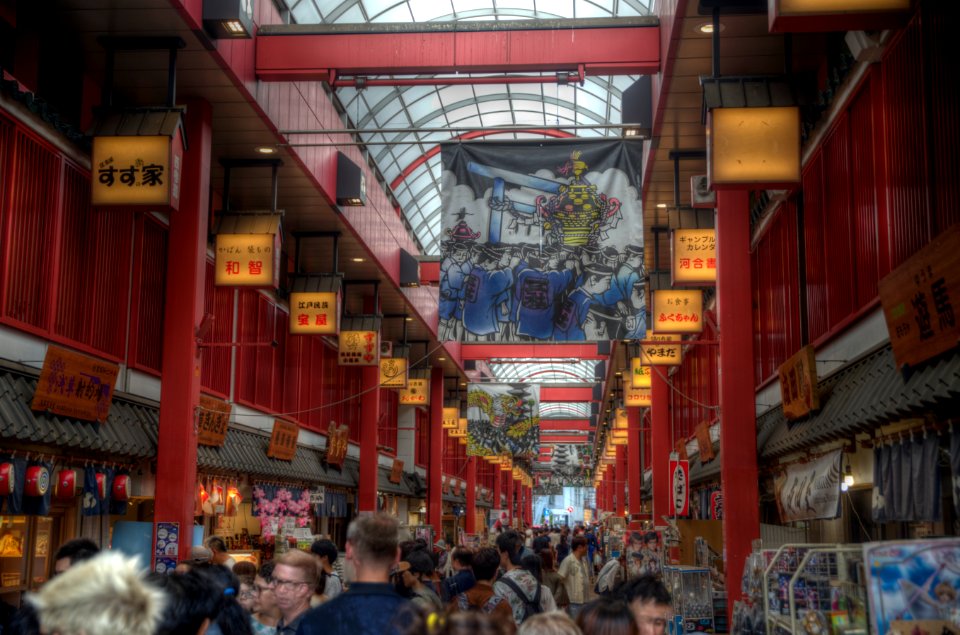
(692, 593)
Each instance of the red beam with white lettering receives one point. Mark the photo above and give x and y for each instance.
(565, 424)
(533, 351)
(564, 439)
(322, 53)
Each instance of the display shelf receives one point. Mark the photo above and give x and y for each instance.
(692, 594)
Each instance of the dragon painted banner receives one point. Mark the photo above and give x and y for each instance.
(541, 242)
(503, 419)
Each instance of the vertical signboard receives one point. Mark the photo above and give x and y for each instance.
(679, 486)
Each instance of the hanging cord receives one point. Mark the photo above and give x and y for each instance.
(666, 380)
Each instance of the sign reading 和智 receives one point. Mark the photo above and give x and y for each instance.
(921, 299)
(314, 313)
(75, 385)
(359, 348)
(654, 350)
(283, 441)
(677, 311)
(639, 374)
(417, 393)
(131, 170)
(694, 256)
(212, 418)
(798, 384)
(642, 397)
(247, 250)
(393, 372)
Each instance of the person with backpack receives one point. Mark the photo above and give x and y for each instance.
(517, 585)
(481, 597)
(575, 575)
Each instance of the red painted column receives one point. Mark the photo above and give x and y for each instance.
(660, 445)
(634, 476)
(497, 480)
(738, 430)
(369, 418)
(518, 496)
(471, 524)
(529, 498)
(509, 485)
(619, 485)
(435, 469)
(183, 311)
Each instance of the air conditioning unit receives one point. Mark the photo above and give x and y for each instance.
(386, 349)
(700, 193)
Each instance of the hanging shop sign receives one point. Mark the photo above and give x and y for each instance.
(640, 376)
(679, 486)
(694, 256)
(139, 170)
(338, 439)
(247, 250)
(798, 384)
(212, 418)
(642, 397)
(359, 348)
(921, 301)
(716, 505)
(396, 472)
(314, 313)
(655, 350)
(704, 442)
(806, 491)
(74, 385)
(837, 15)
(680, 448)
(417, 393)
(677, 311)
(393, 372)
(450, 418)
(283, 441)
(753, 147)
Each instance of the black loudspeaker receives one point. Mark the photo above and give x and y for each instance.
(409, 269)
(637, 109)
(351, 184)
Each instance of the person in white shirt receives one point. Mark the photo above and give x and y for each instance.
(575, 575)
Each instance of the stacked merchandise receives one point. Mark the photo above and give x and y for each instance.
(749, 617)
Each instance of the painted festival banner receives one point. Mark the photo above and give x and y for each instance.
(810, 490)
(503, 419)
(541, 242)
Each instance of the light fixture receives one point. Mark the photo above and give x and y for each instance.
(661, 206)
(618, 373)
(351, 183)
(463, 384)
(441, 359)
(409, 319)
(848, 477)
(228, 19)
(707, 28)
(266, 149)
(358, 259)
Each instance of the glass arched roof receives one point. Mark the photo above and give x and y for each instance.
(546, 371)
(409, 112)
(564, 409)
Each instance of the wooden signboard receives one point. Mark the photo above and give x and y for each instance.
(134, 170)
(642, 397)
(247, 260)
(338, 438)
(396, 472)
(283, 441)
(921, 301)
(74, 385)
(798, 384)
(680, 447)
(640, 375)
(212, 418)
(704, 443)
(450, 419)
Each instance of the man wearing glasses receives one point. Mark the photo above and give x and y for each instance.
(294, 580)
(650, 603)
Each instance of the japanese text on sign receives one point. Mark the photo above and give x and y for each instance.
(75, 385)
(677, 311)
(212, 418)
(314, 313)
(283, 441)
(359, 348)
(416, 393)
(642, 397)
(338, 439)
(694, 256)
(246, 260)
(393, 372)
(136, 170)
(655, 351)
(798, 384)
(639, 374)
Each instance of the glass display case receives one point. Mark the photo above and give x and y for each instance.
(692, 593)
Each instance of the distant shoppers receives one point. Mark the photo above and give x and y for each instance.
(326, 553)
(462, 578)
(220, 555)
(415, 572)
(481, 597)
(607, 616)
(611, 575)
(265, 614)
(575, 574)
(294, 579)
(520, 588)
(551, 579)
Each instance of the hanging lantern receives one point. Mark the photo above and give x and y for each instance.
(66, 486)
(101, 485)
(7, 478)
(37, 482)
(121, 487)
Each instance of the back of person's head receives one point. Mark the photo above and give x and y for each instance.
(104, 595)
(510, 542)
(324, 548)
(463, 556)
(485, 563)
(191, 600)
(607, 616)
(216, 543)
(546, 559)
(374, 539)
(578, 541)
(225, 587)
(552, 623)
(532, 564)
(407, 547)
(266, 569)
(304, 562)
(468, 623)
(645, 588)
(77, 550)
(244, 567)
(420, 562)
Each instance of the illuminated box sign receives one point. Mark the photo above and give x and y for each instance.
(212, 419)
(639, 374)
(359, 348)
(247, 250)
(74, 385)
(753, 147)
(798, 384)
(677, 311)
(694, 256)
(417, 393)
(393, 372)
(314, 313)
(137, 170)
(921, 301)
(655, 350)
(451, 418)
(836, 15)
(283, 441)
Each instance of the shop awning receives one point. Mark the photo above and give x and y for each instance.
(418, 485)
(456, 500)
(130, 430)
(397, 489)
(863, 395)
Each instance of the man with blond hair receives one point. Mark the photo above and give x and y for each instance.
(105, 595)
(294, 580)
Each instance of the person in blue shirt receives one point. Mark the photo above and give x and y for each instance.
(537, 290)
(482, 290)
(575, 320)
(454, 270)
(370, 606)
(627, 274)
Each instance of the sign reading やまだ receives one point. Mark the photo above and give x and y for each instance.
(75, 385)
(656, 350)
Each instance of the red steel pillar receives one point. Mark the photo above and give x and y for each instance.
(435, 469)
(619, 484)
(660, 443)
(529, 499)
(518, 495)
(369, 419)
(634, 476)
(508, 476)
(183, 311)
(497, 493)
(738, 430)
(471, 524)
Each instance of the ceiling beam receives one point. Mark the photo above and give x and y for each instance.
(564, 424)
(564, 439)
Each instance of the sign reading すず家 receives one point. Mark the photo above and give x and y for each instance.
(135, 170)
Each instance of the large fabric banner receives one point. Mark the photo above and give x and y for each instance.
(503, 419)
(541, 242)
(810, 490)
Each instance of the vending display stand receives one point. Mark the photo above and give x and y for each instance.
(692, 594)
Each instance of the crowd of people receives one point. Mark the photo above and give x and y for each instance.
(399, 587)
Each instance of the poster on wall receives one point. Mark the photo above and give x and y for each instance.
(810, 490)
(503, 419)
(541, 242)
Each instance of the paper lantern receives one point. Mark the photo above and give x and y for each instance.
(37, 482)
(121, 487)
(66, 486)
(7, 478)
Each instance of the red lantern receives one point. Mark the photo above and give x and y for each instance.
(38, 481)
(101, 485)
(65, 487)
(7, 479)
(121, 487)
